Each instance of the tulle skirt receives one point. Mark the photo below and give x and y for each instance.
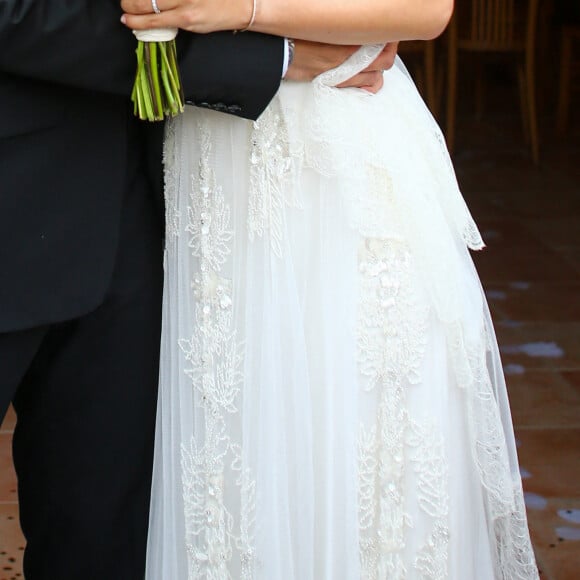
(332, 405)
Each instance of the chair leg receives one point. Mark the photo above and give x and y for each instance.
(532, 111)
(523, 104)
(419, 77)
(564, 92)
(479, 91)
(439, 86)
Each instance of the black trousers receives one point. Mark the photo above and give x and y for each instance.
(85, 393)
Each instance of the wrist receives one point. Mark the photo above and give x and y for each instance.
(288, 55)
(298, 69)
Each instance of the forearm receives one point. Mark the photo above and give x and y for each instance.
(329, 21)
(353, 22)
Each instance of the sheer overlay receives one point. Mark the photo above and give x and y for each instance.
(332, 404)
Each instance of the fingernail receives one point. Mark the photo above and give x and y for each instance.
(124, 19)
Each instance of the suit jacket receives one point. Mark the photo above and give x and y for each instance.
(67, 137)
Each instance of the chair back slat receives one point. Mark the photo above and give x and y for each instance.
(493, 23)
(495, 27)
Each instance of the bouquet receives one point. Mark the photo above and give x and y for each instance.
(157, 92)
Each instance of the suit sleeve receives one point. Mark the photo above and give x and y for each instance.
(82, 44)
(233, 73)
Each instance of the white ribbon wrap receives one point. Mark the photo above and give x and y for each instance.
(156, 34)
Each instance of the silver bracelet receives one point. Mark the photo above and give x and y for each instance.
(291, 47)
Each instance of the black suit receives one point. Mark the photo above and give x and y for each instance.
(80, 268)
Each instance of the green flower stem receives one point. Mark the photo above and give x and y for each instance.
(157, 91)
(170, 89)
(172, 73)
(145, 96)
(153, 78)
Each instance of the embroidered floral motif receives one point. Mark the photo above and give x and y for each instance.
(208, 215)
(430, 463)
(515, 557)
(216, 533)
(209, 526)
(392, 324)
(270, 166)
(502, 492)
(392, 338)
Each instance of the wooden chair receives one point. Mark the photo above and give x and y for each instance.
(569, 70)
(492, 28)
(424, 72)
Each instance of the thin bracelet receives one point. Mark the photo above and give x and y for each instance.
(252, 18)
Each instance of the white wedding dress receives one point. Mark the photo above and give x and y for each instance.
(332, 404)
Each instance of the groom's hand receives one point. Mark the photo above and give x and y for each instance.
(371, 79)
(314, 58)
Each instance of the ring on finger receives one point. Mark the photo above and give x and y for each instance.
(155, 7)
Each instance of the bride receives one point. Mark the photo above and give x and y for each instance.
(332, 403)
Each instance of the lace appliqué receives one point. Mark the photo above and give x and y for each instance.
(270, 190)
(430, 465)
(171, 176)
(392, 322)
(515, 556)
(215, 533)
(391, 347)
(503, 492)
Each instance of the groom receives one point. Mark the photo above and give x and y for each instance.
(81, 230)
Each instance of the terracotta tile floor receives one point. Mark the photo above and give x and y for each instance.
(530, 218)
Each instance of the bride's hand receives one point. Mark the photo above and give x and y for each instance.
(313, 58)
(200, 16)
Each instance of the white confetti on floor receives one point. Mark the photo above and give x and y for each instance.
(571, 515)
(567, 533)
(535, 349)
(513, 369)
(535, 501)
(496, 295)
(520, 285)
